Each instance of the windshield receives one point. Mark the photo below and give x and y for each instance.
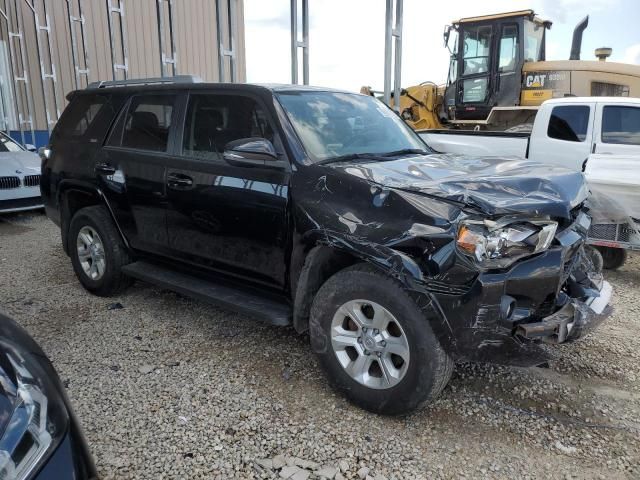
(337, 124)
(8, 145)
(533, 38)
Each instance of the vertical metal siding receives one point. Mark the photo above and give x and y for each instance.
(195, 38)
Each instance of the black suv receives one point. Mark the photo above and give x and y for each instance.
(321, 209)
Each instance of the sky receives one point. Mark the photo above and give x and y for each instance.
(346, 37)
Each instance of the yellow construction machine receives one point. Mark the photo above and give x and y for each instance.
(499, 75)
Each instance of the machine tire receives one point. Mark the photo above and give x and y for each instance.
(428, 368)
(612, 258)
(115, 255)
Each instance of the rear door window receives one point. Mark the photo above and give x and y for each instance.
(621, 125)
(147, 123)
(212, 121)
(569, 123)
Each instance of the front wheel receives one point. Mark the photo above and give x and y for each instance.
(375, 344)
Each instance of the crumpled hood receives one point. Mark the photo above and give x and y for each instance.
(494, 185)
(27, 163)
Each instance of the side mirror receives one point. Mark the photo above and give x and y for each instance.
(30, 147)
(252, 152)
(446, 34)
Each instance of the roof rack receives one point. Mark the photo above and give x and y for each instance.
(146, 81)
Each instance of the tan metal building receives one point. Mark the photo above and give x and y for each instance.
(51, 47)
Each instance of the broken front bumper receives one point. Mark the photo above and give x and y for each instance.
(505, 316)
(573, 319)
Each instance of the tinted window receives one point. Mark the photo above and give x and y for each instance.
(147, 123)
(621, 125)
(215, 120)
(8, 145)
(569, 123)
(79, 115)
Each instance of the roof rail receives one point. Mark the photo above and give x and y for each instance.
(146, 81)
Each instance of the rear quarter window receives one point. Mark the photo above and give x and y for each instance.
(79, 118)
(569, 123)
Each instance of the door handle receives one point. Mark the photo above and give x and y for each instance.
(178, 180)
(104, 169)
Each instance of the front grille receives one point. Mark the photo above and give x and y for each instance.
(612, 232)
(9, 182)
(446, 288)
(32, 181)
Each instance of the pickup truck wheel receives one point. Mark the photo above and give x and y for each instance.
(375, 344)
(612, 258)
(97, 252)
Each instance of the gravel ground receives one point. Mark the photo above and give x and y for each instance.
(168, 387)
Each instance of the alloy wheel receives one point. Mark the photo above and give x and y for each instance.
(370, 344)
(91, 253)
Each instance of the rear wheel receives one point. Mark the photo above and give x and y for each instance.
(375, 344)
(97, 252)
(612, 258)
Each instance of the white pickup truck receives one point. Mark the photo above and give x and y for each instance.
(597, 135)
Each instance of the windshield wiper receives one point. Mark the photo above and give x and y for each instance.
(376, 157)
(404, 151)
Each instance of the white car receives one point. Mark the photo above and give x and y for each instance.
(19, 177)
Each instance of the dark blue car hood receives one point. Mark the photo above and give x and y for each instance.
(493, 185)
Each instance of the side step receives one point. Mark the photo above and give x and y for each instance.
(227, 296)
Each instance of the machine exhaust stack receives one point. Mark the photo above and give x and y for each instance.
(576, 43)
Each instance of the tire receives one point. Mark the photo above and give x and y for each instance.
(418, 378)
(612, 258)
(110, 279)
(596, 257)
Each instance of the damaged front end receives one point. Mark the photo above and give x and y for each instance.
(583, 304)
(493, 253)
(554, 295)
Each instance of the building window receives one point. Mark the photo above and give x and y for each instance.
(569, 123)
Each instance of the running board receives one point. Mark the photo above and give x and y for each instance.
(227, 296)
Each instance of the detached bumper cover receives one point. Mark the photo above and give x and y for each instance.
(573, 320)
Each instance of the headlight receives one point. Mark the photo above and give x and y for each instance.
(497, 244)
(33, 417)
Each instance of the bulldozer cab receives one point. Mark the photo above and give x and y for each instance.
(487, 56)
